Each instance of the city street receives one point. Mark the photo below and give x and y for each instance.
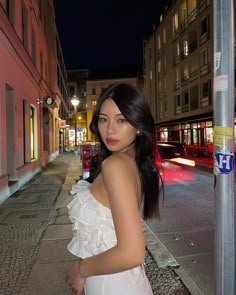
(35, 230)
(186, 227)
(168, 71)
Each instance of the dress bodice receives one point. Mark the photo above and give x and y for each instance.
(93, 227)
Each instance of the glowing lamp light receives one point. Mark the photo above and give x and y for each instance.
(75, 102)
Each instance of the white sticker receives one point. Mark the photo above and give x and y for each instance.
(221, 83)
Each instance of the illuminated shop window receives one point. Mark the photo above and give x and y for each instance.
(32, 133)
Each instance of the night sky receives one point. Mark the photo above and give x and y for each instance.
(105, 33)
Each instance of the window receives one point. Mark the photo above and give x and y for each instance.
(177, 100)
(40, 10)
(204, 30)
(205, 89)
(41, 63)
(150, 75)
(10, 10)
(160, 104)
(192, 5)
(206, 93)
(192, 37)
(24, 26)
(185, 104)
(93, 91)
(159, 66)
(194, 98)
(93, 103)
(186, 73)
(159, 86)
(177, 104)
(177, 78)
(177, 49)
(204, 57)
(204, 26)
(204, 61)
(165, 106)
(175, 22)
(33, 46)
(164, 36)
(183, 13)
(158, 42)
(185, 46)
(33, 145)
(25, 121)
(185, 98)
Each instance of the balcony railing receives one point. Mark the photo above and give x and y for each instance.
(202, 5)
(205, 69)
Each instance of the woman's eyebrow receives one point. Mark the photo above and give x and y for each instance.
(103, 114)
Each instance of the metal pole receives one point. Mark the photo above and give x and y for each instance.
(224, 146)
(75, 110)
(76, 146)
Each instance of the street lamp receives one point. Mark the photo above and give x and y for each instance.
(75, 103)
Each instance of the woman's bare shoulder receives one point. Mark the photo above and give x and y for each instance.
(120, 170)
(119, 162)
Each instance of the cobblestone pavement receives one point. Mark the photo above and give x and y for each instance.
(163, 281)
(23, 219)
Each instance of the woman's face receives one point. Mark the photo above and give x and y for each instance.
(117, 134)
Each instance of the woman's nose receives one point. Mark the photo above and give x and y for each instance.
(111, 127)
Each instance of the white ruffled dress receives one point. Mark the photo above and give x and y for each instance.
(94, 233)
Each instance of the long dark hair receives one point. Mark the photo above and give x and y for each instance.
(134, 107)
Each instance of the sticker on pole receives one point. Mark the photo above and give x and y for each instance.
(221, 83)
(223, 162)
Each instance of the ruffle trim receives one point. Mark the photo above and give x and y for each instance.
(93, 227)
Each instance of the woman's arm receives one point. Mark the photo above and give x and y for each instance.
(120, 180)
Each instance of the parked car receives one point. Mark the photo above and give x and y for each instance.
(173, 162)
(171, 149)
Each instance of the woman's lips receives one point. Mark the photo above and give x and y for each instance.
(111, 141)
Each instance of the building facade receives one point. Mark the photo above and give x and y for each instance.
(178, 72)
(32, 91)
(77, 119)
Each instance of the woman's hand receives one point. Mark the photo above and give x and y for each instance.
(75, 280)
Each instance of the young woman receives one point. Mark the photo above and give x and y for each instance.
(108, 235)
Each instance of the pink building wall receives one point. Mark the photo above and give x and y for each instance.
(23, 85)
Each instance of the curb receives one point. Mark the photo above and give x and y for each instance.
(165, 260)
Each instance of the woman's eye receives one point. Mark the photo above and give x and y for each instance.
(101, 119)
(123, 120)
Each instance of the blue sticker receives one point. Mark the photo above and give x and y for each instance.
(224, 162)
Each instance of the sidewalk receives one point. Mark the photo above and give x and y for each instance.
(35, 230)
